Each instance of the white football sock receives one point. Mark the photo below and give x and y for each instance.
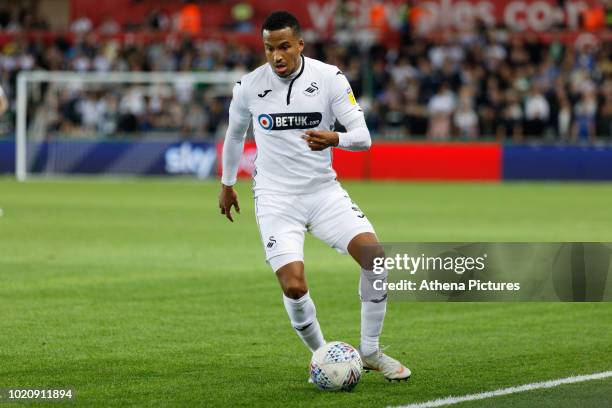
(303, 316)
(373, 309)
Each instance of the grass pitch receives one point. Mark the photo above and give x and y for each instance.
(139, 293)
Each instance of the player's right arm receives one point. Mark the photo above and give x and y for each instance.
(239, 118)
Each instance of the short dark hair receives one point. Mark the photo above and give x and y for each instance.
(279, 20)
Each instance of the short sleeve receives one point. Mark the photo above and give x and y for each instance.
(343, 102)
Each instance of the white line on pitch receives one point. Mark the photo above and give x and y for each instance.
(512, 390)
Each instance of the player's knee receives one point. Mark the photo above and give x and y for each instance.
(372, 255)
(365, 249)
(292, 281)
(295, 289)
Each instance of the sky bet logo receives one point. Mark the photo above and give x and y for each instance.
(285, 121)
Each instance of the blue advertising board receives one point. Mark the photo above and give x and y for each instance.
(524, 162)
(7, 156)
(150, 157)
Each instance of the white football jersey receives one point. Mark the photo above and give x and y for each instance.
(281, 110)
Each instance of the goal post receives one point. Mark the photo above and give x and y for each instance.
(219, 83)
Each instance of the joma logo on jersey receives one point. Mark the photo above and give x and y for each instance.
(285, 121)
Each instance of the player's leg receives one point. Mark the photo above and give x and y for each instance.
(281, 224)
(340, 223)
(300, 307)
(364, 247)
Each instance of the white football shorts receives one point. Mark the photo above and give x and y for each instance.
(329, 215)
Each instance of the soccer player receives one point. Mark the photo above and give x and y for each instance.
(293, 102)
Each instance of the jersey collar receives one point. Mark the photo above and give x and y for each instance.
(299, 72)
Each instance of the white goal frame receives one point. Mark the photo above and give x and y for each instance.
(26, 77)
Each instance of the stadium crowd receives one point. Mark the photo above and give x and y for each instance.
(483, 83)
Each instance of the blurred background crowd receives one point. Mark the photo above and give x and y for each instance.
(482, 82)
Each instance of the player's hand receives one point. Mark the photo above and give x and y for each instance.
(320, 139)
(227, 199)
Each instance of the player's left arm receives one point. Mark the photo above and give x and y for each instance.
(348, 112)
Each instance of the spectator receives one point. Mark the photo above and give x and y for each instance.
(440, 109)
(416, 114)
(5, 17)
(584, 124)
(190, 19)
(604, 124)
(195, 121)
(109, 122)
(4, 103)
(81, 25)
(242, 14)
(564, 117)
(109, 26)
(403, 71)
(465, 119)
(513, 116)
(158, 20)
(91, 112)
(491, 107)
(393, 120)
(537, 112)
(217, 114)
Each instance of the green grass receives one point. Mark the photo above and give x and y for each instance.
(139, 293)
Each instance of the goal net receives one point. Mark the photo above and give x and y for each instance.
(120, 123)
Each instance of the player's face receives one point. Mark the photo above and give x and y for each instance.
(283, 48)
